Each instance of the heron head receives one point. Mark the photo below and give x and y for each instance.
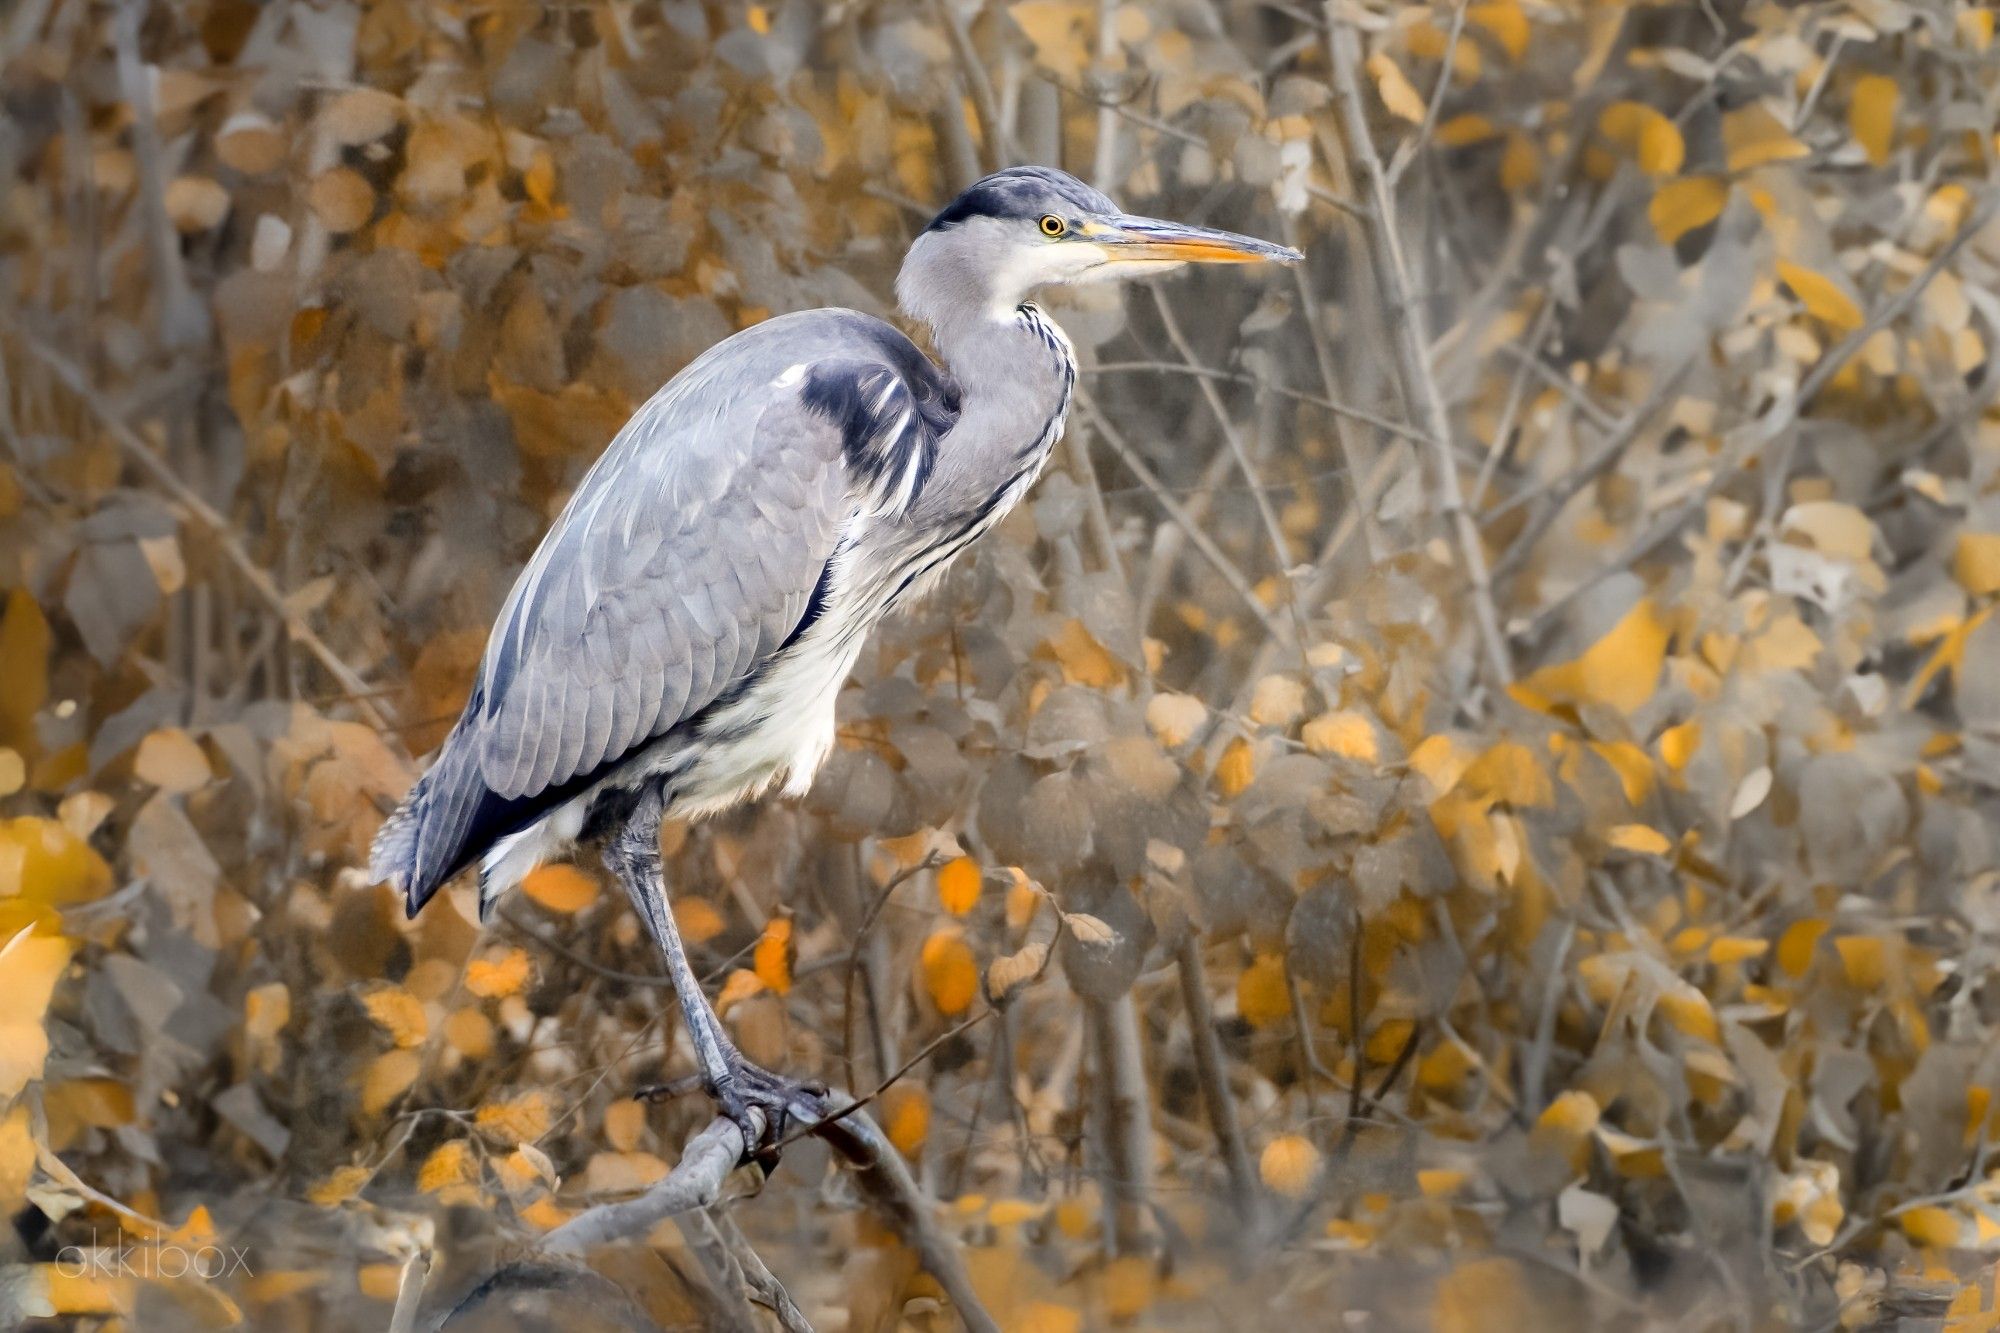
(1026, 228)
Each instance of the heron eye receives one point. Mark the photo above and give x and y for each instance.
(1053, 225)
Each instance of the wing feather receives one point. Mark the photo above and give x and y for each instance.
(684, 560)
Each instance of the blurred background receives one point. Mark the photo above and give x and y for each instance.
(1494, 734)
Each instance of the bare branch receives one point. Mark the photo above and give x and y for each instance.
(1410, 336)
(1213, 1079)
(219, 527)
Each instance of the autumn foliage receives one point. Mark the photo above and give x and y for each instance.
(1465, 800)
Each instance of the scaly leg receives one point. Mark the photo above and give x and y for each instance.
(735, 1084)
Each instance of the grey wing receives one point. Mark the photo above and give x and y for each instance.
(678, 565)
(688, 555)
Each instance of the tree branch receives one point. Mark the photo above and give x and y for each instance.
(219, 528)
(1409, 333)
(711, 1155)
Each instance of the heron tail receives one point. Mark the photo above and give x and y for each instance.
(392, 857)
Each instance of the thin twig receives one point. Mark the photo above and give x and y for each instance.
(1409, 333)
(1758, 433)
(1413, 147)
(219, 528)
(1212, 1076)
(1196, 535)
(1273, 531)
(1334, 406)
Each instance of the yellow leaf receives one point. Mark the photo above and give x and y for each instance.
(958, 885)
(1014, 970)
(1089, 929)
(1688, 1010)
(1277, 701)
(1661, 149)
(1347, 733)
(1509, 772)
(1129, 1284)
(1571, 1112)
(343, 200)
(1440, 1182)
(1045, 1317)
(172, 760)
(1871, 115)
(497, 978)
(1442, 762)
(1797, 944)
(1506, 23)
(950, 973)
(519, 1119)
(739, 986)
(1865, 960)
(772, 959)
(1976, 562)
(1834, 528)
(1520, 164)
(1084, 660)
(1753, 137)
(1639, 838)
(1976, 27)
(1263, 996)
(1634, 767)
(697, 920)
(267, 1010)
(449, 1164)
(624, 1123)
(621, 1172)
(17, 1156)
(1931, 1226)
(560, 888)
(1237, 768)
(24, 671)
(1678, 744)
(1394, 88)
(398, 1013)
(906, 1117)
(338, 1188)
(470, 1033)
(1289, 1165)
(387, 1078)
(1822, 297)
(85, 1293)
(1484, 1294)
(1653, 140)
(1679, 206)
(30, 966)
(1620, 669)
(1023, 898)
(1736, 949)
(1175, 718)
(1465, 130)
(46, 863)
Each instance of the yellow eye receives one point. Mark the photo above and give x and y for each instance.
(1053, 225)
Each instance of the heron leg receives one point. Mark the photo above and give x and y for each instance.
(733, 1082)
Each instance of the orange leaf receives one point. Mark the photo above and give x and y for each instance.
(1289, 1165)
(950, 973)
(1262, 995)
(497, 978)
(958, 883)
(772, 959)
(906, 1117)
(560, 888)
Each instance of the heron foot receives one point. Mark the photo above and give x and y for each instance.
(742, 1086)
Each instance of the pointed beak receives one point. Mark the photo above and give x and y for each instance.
(1126, 237)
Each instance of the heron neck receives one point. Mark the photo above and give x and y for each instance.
(1015, 373)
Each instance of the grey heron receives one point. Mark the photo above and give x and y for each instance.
(676, 643)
